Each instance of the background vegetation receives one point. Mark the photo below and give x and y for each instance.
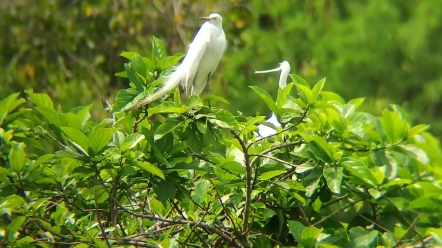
(387, 51)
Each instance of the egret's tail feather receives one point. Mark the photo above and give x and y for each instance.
(171, 81)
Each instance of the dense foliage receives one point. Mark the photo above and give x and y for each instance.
(199, 176)
(386, 51)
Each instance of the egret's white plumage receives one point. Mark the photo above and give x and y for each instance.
(200, 62)
(284, 67)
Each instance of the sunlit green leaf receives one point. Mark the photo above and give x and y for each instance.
(333, 176)
(154, 170)
(99, 138)
(360, 170)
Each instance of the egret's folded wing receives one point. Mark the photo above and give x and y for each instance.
(194, 55)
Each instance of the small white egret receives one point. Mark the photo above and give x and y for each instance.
(284, 67)
(200, 62)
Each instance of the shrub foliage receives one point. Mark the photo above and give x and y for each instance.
(199, 176)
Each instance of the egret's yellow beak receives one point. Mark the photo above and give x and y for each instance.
(206, 18)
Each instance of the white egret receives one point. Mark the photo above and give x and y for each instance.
(200, 62)
(284, 67)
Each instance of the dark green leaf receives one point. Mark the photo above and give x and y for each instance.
(164, 191)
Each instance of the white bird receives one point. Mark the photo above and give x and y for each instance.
(284, 67)
(200, 62)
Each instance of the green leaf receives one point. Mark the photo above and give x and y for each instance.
(333, 176)
(266, 97)
(8, 104)
(233, 166)
(131, 141)
(128, 55)
(78, 137)
(17, 157)
(298, 80)
(195, 102)
(167, 126)
(417, 130)
(226, 117)
(200, 191)
(99, 138)
(281, 98)
(213, 98)
(40, 100)
(158, 49)
(305, 93)
(436, 233)
(122, 74)
(165, 110)
(270, 174)
(309, 236)
(169, 61)
(395, 128)
(296, 229)
(361, 237)
(134, 78)
(126, 99)
(360, 170)
(320, 149)
(13, 227)
(154, 170)
(139, 66)
(397, 181)
(318, 88)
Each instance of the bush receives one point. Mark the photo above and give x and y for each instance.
(332, 176)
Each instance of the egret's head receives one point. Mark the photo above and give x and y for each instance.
(213, 18)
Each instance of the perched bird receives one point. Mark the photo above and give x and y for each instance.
(284, 67)
(200, 62)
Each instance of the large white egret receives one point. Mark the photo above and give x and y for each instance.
(200, 62)
(284, 67)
